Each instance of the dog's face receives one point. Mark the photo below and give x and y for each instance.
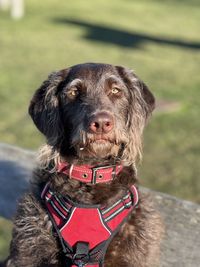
(92, 110)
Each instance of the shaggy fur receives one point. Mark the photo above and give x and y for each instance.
(63, 109)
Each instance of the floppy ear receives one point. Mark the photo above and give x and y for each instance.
(44, 106)
(147, 96)
(141, 104)
(138, 89)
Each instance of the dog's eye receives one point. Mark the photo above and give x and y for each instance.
(72, 93)
(115, 90)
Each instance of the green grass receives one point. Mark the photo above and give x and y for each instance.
(41, 42)
(5, 236)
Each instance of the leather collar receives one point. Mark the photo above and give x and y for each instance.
(88, 173)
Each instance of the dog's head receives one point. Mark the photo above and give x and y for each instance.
(93, 110)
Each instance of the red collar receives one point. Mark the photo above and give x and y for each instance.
(88, 173)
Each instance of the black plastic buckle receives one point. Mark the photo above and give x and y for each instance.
(95, 169)
(81, 256)
(78, 262)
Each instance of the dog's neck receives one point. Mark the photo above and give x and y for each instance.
(92, 174)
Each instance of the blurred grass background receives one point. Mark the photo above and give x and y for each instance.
(158, 39)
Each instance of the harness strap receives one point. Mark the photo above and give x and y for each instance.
(130, 199)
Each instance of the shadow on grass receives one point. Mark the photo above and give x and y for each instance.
(123, 38)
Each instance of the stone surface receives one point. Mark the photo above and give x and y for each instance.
(181, 245)
(15, 170)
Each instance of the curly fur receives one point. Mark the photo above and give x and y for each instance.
(64, 119)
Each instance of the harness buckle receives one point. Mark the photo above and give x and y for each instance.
(81, 256)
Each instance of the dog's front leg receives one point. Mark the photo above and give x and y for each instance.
(33, 244)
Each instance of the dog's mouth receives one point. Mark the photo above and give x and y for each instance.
(100, 141)
(100, 138)
(97, 145)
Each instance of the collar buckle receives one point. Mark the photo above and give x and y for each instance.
(96, 169)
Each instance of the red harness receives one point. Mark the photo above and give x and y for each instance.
(85, 231)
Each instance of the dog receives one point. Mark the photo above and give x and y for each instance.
(92, 116)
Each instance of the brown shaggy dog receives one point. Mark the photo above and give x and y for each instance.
(90, 113)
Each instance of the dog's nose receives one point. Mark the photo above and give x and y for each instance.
(102, 122)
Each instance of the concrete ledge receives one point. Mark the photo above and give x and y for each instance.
(15, 170)
(181, 245)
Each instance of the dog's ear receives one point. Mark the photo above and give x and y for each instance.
(138, 89)
(141, 104)
(44, 106)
